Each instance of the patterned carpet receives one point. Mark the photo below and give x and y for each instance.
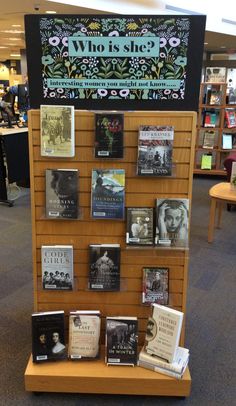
(210, 327)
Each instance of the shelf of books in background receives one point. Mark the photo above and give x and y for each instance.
(121, 341)
(172, 223)
(57, 267)
(161, 352)
(155, 149)
(104, 267)
(109, 135)
(57, 131)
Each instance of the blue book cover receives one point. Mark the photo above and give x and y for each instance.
(108, 193)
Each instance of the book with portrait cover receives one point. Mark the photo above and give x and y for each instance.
(104, 267)
(84, 334)
(155, 286)
(172, 222)
(109, 135)
(57, 131)
(48, 336)
(139, 226)
(163, 332)
(108, 193)
(62, 193)
(57, 267)
(155, 147)
(121, 340)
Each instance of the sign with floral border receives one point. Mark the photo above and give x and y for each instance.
(115, 61)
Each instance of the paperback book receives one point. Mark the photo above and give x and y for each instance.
(210, 119)
(104, 267)
(163, 332)
(121, 340)
(155, 286)
(155, 147)
(48, 336)
(206, 161)
(109, 135)
(108, 193)
(139, 226)
(209, 139)
(57, 267)
(84, 334)
(62, 193)
(172, 222)
(230, 118)
(227, 141)
(57, 131)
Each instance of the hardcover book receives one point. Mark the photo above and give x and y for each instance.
(172, 222)
(104, 268)
(230, 118)
(209, 139)
(155, 147)
(109, 135)
(57, 267)
(155, 286)
(84, 334)
(163, 332)
(215, 74)
(121, 340)
(62, 193)
(160, 370)
(139, 226)
(57, 131)
(227, 141)
(48, 336)
(108, 193)
(210, 119)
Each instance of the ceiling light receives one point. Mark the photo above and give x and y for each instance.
(50, 12)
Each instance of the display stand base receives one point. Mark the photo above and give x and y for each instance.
(97, 377)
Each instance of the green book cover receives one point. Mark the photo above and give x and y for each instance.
(206, 161)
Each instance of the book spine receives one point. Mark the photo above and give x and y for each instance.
(164, 365)
(159, 370)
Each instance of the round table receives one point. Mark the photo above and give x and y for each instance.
(219, 194)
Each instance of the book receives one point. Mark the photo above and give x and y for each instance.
(109, 135)
(48, 336)
(215, 74)
(108, 193)
(155, 147)
(62, 193)
(57, 131)
(57, 267)
(84, 334)
(210, 119)
(227, 141)
(206, 161)
(215, 97)
(104, 267)
(232, 95)
(209, 139)
(233, 176)
(160, 370)
(178, 365)
(163, 332)
(172, 222)
(139, 226)
(155, 285)
(121, 340)
(230, 118)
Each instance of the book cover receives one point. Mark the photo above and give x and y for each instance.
(172, 222)
(84, 334)
(209, 139)
(215, 97)
(62, 193)
(209, 119)
(227, 141)
(163, 332)
(108, 193)
(109, 135)
(139, 226)
(206, 161)
(155, 286)
(155, 147)
(57, 267)
(104, 267)
(121, 340)
(160, 370)
(178, 365)
(57, 131)
(48, 336)
(230, 118)
(215, 74)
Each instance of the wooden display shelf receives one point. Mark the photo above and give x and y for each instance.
(209, 172)
(97, 377)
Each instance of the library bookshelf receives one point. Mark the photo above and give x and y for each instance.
(96, 377)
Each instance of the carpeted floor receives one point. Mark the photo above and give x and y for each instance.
(210, 328)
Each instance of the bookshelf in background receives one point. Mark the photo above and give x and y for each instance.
(216, 128)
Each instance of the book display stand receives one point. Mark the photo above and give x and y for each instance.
(95, 376)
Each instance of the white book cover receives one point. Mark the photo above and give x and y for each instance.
(163, 332)
(160, 370)
(178, 365)
(57, 131)
(57, 267)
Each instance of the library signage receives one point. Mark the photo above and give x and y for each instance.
(120, 62)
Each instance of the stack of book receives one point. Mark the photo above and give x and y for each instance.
(161, 352)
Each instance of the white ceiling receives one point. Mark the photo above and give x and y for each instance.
(13, 11)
